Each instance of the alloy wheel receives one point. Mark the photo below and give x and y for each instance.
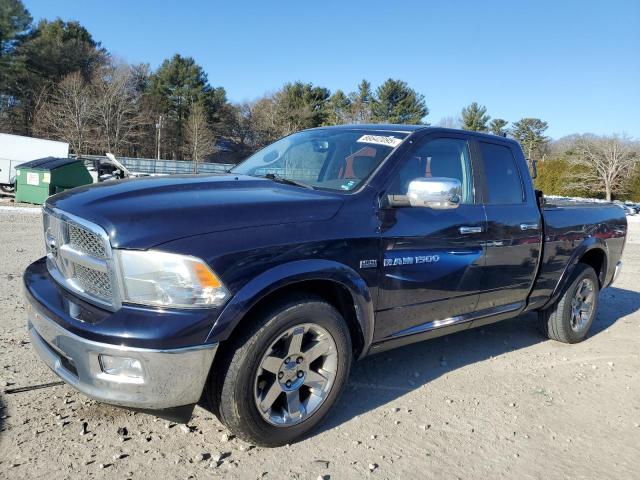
(295, 375)
(582, 304)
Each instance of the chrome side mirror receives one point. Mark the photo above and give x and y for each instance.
(439, 193)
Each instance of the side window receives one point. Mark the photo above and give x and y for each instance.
(441, 157)
(504, 185)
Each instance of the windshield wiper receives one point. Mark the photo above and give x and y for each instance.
(287, 181)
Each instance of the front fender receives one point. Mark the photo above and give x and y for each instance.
(286, 274)
(588, 244)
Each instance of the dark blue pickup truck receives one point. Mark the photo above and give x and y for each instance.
(254, 291)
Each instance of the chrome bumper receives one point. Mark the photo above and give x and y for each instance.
(171, 378)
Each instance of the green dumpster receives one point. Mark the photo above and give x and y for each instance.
(37, 179)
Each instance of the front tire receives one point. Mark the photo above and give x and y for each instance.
(280, 377)
(570, 318)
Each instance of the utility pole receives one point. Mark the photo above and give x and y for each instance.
(159, 130)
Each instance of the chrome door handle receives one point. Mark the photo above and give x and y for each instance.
(528, 226)
(468, 230)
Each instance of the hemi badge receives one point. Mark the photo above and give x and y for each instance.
(368, 263)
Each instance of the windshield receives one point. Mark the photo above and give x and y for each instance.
(334, 159)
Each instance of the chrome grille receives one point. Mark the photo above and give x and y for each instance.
(79, 257)
(93, 281)
(86, 241)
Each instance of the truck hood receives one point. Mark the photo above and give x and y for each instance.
(143, 213)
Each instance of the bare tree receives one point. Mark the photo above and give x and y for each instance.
(117, 113)
(239, 124)
(603, 163)
(291, 115)
(199, 138)
(266, 124)
(448, 122)
(67, 113)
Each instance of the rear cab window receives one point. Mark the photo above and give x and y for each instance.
(503, 180)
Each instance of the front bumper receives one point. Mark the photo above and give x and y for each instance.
(170, 378)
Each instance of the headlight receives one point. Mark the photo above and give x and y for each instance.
(168, 280)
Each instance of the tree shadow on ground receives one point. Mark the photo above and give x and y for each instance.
(384, 377)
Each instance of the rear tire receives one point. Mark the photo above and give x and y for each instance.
(8, 188)
(570, 318)
(279, 378)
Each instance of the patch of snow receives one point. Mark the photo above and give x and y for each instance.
(30, 210)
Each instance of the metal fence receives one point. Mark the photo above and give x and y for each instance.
(172, 167)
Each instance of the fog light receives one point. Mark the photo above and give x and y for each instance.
(121, 366)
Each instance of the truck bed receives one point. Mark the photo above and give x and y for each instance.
(570, 229)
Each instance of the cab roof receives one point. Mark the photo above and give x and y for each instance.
(401, 128)
(376, 127)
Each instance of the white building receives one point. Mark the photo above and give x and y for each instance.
(16, 149)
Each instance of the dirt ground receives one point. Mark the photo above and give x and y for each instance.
(496, 402)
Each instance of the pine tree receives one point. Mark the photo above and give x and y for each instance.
(361, 103)
(178, 84)
(474, 118)
(15, 19)
(497, 127)
(338, 109)
(396, 102)
(44, 56)
(530, 133)
(301, 105)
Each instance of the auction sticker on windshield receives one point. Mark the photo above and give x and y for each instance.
(380, 140)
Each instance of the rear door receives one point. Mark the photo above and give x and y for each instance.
(432, 260)
(514, 228)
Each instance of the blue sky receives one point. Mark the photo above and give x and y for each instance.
(575, 64)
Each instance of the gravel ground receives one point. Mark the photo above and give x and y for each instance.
(8, 200)
(496, 402)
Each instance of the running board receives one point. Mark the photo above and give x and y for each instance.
(437, 328)
(467, 317)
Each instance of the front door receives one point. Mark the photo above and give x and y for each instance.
(432, 260)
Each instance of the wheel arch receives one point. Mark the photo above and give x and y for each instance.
(337, 283)
(593, 252)
(597, 259)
